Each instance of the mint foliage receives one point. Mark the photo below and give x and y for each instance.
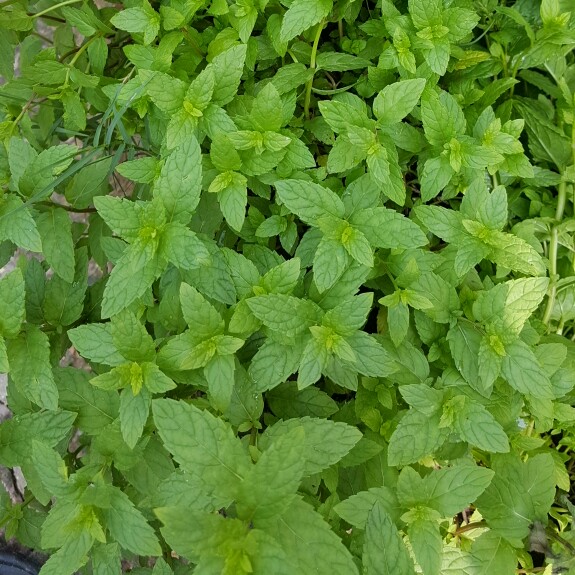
(287, 286)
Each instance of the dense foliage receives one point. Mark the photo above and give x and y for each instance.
(317, 257)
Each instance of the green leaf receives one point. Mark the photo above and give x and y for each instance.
(12, 298)
(130, 338)
(302, 15)
(424, 14)
(90, 181)
(273, 364)
(309, 201)
(339, 62)
(287, 401)
(371, 359)
(17, 434)
(51, 468)
(142, 20)
(233, 199)
(211, 453)
(464, 341)
(227, 68)
(121, 215)
(106, 559)
(350, 315)
(70, 557)
(427, 544)
(128, 526)
(325, 442)
(131, 277)
(199, 313)
(182, 247)
(142, 170)
(30, 368)
(96, 409)
(385, 228)
(452, 489)
(266, 113)
(523, 371)
(284, 313)
(478, 427)
(442, 117)
(134, 410)
(384, 552)
(56, 231)
(271, 485)
(313, 361)
(94, 342)
(17, 225)
(309, 541)
(357, 508)
(219, 374)
(178, 186)
(397, 100)
(520, 493)
(494, 553)
(507, 306)
(416, 436)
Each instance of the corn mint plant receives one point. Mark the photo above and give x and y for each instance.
(289, 286)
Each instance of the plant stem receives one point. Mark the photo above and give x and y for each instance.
(312, 67)
(553, 247)
(55, 7)
(25, 108)
(68, 208)
(470, 526)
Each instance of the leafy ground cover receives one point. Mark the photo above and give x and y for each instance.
(329, 322)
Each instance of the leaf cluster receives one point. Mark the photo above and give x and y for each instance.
(289, 285)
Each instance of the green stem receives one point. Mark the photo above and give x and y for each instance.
(55, 7)
(312, 64)
(552, 272)
(68, 208)
(254, 437)
(77, 55)
(561, 200)
(553, 247)
(470, 527)
(25, 108)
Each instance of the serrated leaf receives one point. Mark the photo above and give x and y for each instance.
(17, 225)
(12, 297)
(397, 100)
(385, 228)
(179, 184)
(210, 451)
(416, 436)
(284, 313)
(427, 544)
(302, 15)
(309, 201)
(325, 442)
(384, 552)
(310, 542)
(128, 525)
(271, 485)
(30, 367)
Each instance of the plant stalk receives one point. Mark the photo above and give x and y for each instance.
(312, 64)
(55, 7)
